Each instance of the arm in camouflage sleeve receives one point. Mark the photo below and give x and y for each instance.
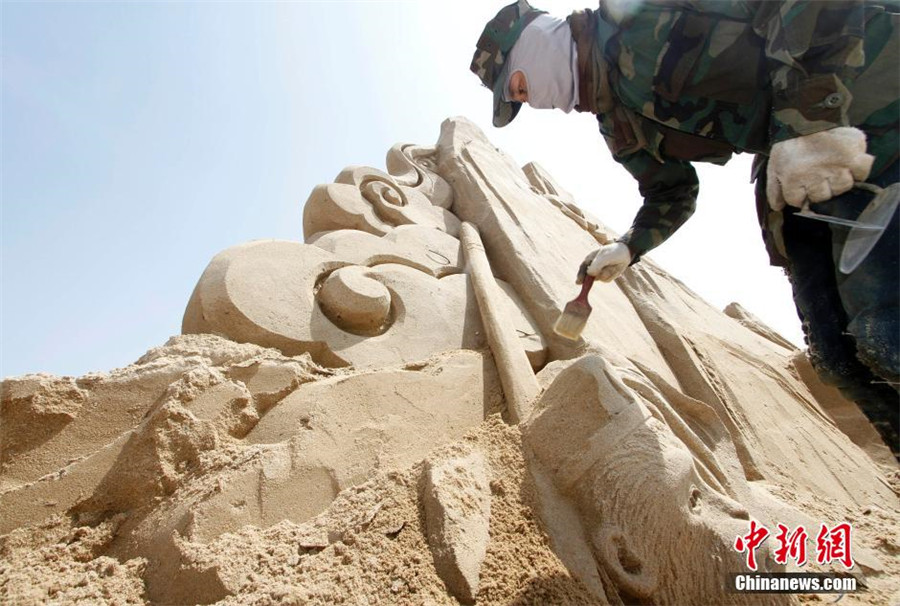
(670, 191)
(813, 47)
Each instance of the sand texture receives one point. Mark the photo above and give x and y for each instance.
(382, 414)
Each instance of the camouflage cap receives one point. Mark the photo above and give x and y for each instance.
(497, 39)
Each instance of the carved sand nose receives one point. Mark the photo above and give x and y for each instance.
(354, 301)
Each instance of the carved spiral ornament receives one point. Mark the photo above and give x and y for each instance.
(379, 192)
(355, 302)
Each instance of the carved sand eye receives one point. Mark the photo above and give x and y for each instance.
(694, 499)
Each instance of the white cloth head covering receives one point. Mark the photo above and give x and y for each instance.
(545, 53)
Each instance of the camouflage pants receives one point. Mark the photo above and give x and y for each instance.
(851, 322)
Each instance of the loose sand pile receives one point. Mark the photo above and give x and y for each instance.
(369, 546)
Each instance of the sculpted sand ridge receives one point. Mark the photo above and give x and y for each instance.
(382, 414)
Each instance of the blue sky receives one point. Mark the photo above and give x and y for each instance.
(140, 139)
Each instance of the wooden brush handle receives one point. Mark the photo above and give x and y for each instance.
(585, 289)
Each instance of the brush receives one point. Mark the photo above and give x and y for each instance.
(575, 315)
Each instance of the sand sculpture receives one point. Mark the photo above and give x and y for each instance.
(382, 414)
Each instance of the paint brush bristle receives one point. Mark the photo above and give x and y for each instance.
(575, 315)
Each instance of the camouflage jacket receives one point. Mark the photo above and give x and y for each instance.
(677, 81)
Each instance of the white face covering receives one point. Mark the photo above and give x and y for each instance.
(545, 53)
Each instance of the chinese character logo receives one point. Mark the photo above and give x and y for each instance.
(832, 545)
(791, 545)
(750, 542)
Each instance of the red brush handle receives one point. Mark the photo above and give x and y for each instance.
(585, 289)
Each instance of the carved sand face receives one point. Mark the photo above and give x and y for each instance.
(658, 519)
(658, 531)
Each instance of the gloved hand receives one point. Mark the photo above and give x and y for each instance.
(606, 263)
(816, 167)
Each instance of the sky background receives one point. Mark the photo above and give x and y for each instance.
(140, 139)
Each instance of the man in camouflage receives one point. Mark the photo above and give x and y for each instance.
(673, 82)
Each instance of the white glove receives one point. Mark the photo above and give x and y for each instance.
(607, 262)
(816, 167)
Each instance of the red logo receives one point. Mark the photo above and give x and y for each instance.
(832, 545)
(791, 545)
(750, 542)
